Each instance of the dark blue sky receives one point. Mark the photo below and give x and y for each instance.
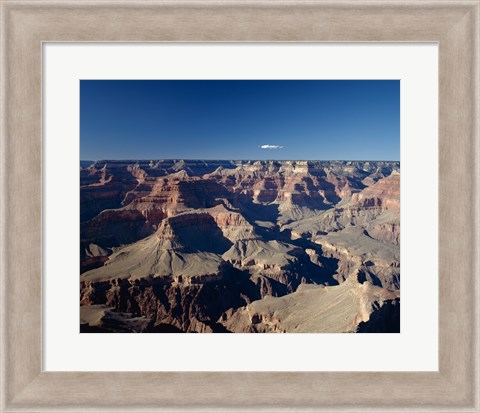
(201, 119)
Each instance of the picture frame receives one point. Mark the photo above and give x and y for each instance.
(25, 25)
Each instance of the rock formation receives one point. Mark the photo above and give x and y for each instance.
(239, 246)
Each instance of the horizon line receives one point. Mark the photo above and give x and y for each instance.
(231, 159)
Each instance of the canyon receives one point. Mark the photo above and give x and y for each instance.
(206, 246)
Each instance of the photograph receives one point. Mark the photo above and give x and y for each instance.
(240, 206)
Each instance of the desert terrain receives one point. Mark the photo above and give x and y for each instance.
(239, 246)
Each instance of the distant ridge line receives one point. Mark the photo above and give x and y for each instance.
(238, 160)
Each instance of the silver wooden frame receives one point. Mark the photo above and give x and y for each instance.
(26, 24)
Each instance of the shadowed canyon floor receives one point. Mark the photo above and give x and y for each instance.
(239, 246)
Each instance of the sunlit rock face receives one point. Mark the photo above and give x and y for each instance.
(239, 246)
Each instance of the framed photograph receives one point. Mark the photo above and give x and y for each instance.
(240, 172)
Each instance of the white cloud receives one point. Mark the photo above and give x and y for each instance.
(271, 146)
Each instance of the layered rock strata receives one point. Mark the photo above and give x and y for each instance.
(240, 246)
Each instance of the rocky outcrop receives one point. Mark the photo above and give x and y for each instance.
(376, 262)
(312, 309)
(185, 300)
(375, 209)
(101, 319)
(384, 194)
(103, 188)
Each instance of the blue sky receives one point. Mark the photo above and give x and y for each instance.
(233, 119)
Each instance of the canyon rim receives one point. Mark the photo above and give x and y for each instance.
(266, 240)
